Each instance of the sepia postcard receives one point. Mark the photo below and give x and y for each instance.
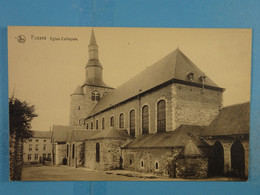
(129, 104)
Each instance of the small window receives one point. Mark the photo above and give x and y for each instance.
(156, 166)
(36, 157)
(44, 155)
(202, 78)
(44, 140)
(30, 140)
(142, 163)
(97, 152)
(130, 162)
(44, 147)
(49, 155)
(96, 124)
(190, 76)
(78, 107)
(37, 140)
(87, 125)
(103, 123)
(29, 157)
(112, 121)
(91, 125)
(36, 147)
(30, 147)
(67, 150)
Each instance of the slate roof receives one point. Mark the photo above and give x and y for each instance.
(112, 132)
(78, 91)
(80, 135)
(92, 38)
(186, 136)
(173, 67)
(59, 132)
(41, 134)
(231, 120)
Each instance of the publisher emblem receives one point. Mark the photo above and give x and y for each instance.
(21, 38)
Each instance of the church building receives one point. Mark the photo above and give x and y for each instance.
(160, 121)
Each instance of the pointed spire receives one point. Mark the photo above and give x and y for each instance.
(92, 38)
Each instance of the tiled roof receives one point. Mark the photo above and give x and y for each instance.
(112, 132)
(41, 134)
(172, 68)
(231, 120)
(186, 136)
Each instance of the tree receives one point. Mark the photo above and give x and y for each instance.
(20, 117)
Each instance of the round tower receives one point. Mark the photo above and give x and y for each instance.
(77, 107)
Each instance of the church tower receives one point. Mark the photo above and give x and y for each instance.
(86, 96)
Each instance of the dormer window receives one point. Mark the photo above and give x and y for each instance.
(202, 78)
(95, 96)
(190, 76)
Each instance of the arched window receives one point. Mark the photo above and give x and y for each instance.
(121, 120)
(73, 150)
(97, 152)
(91, 124)
(103, 123)
(132, 122)
(161, 116)
(112, 121)
(95, 96)
(96, 124)
(238, 158)
(145, 120)
(216, 161)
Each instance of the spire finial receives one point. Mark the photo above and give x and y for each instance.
(92, 38)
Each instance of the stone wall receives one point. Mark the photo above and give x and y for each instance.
(194, 105)
(144, 160)
(60, 153)
(76, 109)
(184, 105)
(165, 162)
(79, 156)
(150, 99)
(110, 154)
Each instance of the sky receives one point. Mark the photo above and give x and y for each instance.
(46, 68)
